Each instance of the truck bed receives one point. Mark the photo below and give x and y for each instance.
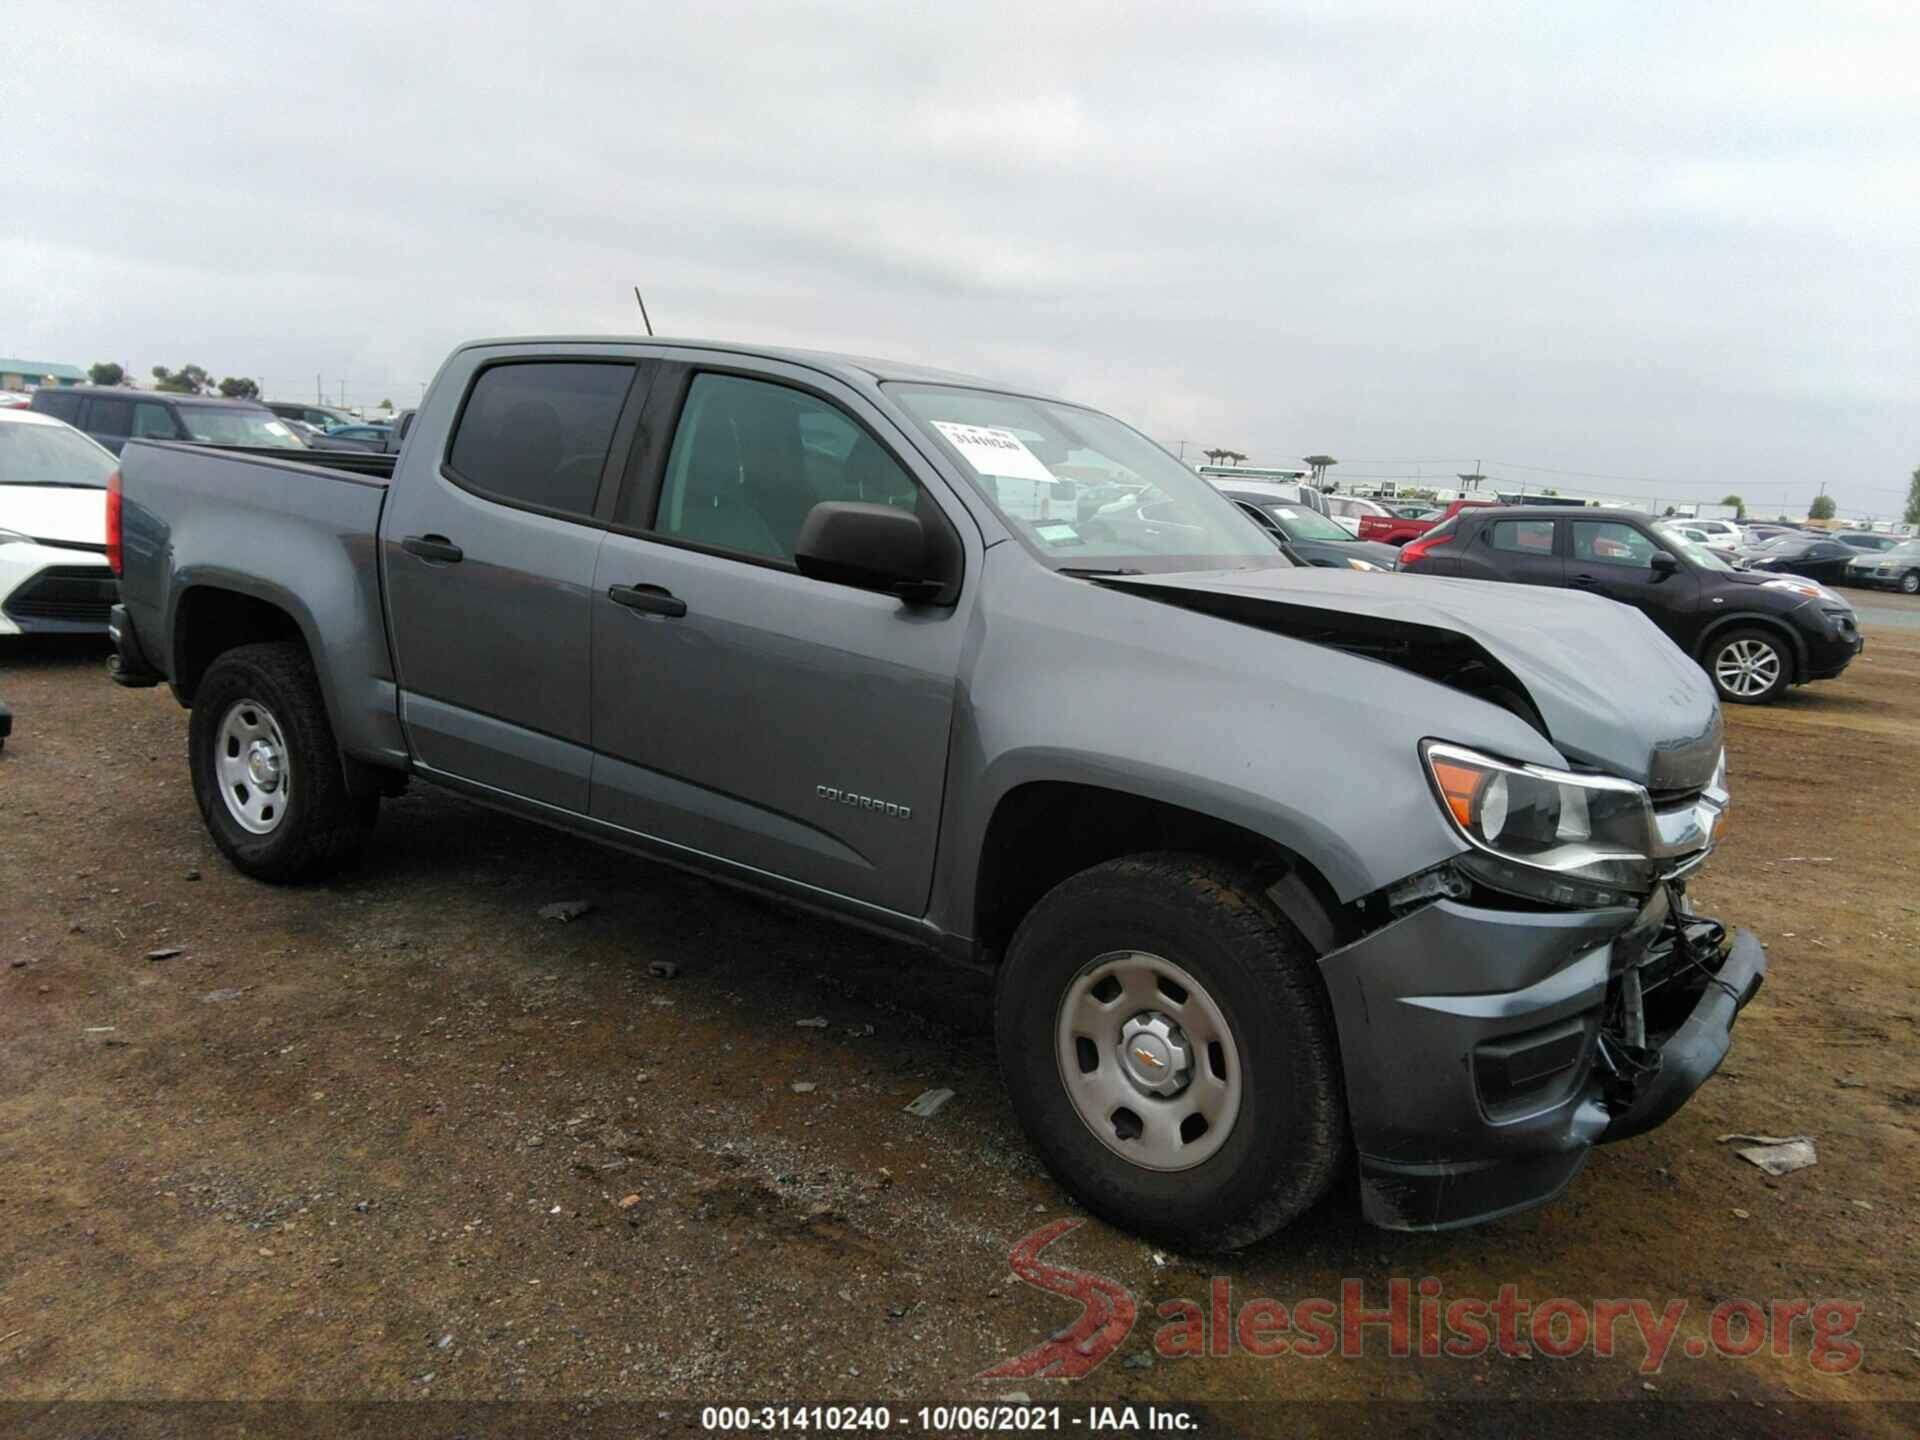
(207, 524)
(367, 464)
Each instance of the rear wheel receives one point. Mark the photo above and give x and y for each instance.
(1170, 1050)
(266, 773)
(1749, 667)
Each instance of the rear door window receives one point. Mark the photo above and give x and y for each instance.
(536, 433)
(111, 417)
(1525, 537)
(58, 404)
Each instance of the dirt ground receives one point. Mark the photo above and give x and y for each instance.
(398, 1136)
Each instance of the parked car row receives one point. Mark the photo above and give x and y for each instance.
(1759, 620)
(1756, 632)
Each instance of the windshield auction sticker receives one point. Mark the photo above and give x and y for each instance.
(992, 451)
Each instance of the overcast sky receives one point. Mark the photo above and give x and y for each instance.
(1674, 241)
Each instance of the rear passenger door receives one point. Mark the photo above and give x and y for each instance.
(1524, 551)
(489, 548)
(783, 724)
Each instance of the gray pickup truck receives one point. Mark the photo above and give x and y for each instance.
(1283, 873)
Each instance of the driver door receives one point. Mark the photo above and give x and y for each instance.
(1613, 559)
(742, 710)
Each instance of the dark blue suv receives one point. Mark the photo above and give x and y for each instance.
(1755, 632)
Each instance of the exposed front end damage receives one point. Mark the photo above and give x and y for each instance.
(1553, 658)
(1487, 1049)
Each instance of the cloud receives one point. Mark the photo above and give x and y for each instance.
(1599, 237)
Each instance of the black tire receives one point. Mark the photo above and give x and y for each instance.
(1717, 652)
(322, 824)
(1910, 583)
(1290, 1138)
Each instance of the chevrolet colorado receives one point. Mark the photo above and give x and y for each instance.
(839, 630)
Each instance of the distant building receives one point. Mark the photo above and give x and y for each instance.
(30, 374)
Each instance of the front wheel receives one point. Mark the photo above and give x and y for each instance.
(266, 773)
(1169, 1048)
(1749, 667)
(1910, 583)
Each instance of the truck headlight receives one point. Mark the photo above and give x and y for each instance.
(1547, 834)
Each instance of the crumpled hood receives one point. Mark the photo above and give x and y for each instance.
(1612, 691)
(55, 512)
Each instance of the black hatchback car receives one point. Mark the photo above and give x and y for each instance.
(1817, 557)
(1755, 632)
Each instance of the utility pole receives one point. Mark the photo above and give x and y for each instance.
(319, 395)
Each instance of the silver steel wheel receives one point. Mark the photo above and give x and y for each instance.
(251, 764)
(1747, 668)
(1910, 583)
(1148, 1061)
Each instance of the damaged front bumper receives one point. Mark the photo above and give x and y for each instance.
(1487, 1050)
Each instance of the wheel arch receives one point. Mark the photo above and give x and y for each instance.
(1755, 620)
(1044, 831)
(209, 620)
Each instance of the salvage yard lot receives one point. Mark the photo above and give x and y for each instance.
(382, 1138)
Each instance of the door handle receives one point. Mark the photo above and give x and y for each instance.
(1585, 579)
(433, 547)
(652, 599)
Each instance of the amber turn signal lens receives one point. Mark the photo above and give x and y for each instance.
(1457, 784)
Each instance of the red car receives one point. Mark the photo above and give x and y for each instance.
(1402, 526)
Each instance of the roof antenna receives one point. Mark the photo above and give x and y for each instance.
(643, 312)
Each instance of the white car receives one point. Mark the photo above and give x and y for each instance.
(1346, 510)
(1721, 534)
(54, 578)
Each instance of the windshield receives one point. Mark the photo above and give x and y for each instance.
(212, 426)
(1307, 524)
(1082, 490)
(51, 455)
(1906, 550)
(1785, 543)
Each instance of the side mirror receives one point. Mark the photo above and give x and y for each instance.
(873, 547)
(1664, 563)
